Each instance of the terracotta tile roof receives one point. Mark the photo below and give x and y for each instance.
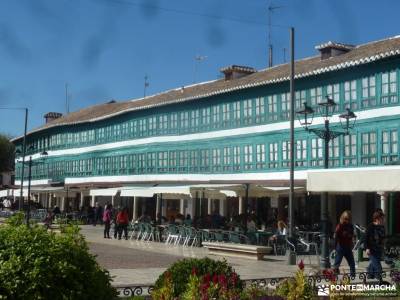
(361, 54)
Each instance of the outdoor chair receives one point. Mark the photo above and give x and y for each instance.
(207, 236)
(219, 236)
(181, 235)
(238, 238)
(280, 245)
(172, 234)
(192, 235)
(307, 248)
(134, 230)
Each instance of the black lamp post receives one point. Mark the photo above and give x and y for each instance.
(28, 209)
(347, 121)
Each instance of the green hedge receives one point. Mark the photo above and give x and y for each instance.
(36, 264)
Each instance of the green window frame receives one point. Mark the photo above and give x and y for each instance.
(350, 94)
(151, 162)
(273, 155)
(216, 118)
(142, 127)
(333, 92)
(236, 158)
(162, 165)
(301, 153)
(183, 161)
(285, 106)
(195, 119)
(368, 87)
(163, 124)
(260, 109)
(368, 148)
(272, 114)
(204, 160)
(194, 161)
(260, 156)
(152, 126)
(285, 154)
(315, 96)
(174, 123)
(206, 118)
(236, 106)
(390, 141)
(248, 157)
(141, 163)
(227, 159)
(317, 152)
(248, 111)
(226, 114)
(389, 87)
(301, 97)
(216, 159)
(173, 161)
(334, 153)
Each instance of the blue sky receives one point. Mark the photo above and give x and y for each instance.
(104, 48)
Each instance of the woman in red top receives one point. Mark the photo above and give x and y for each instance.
(122, 222)
(344, 235)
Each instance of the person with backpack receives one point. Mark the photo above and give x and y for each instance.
(107, 221)
(344, 235)
(374, 238)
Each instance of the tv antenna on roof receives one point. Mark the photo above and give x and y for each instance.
(146, 85)
(197, 59)
(271, 9)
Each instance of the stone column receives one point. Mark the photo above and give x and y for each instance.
(135, 207)
(240, 205)
(164, 207)
(192, 207)
(384, 206)
(209, 206)
(222, 207)
(182, 206)
(112, 201)
(82, 200)
(63, 200)
(93, 201)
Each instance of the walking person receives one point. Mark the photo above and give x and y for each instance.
(107, 221)
(123, 221)
(374, 238)
(344, 235)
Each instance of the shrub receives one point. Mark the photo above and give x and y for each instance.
(36, 264)
(297, 287)
(181, 271)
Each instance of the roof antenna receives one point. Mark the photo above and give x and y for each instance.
(146, 85)
(271, 8)
(197, 60)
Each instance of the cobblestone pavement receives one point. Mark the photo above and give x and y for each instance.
(117, 257)
(136, 262)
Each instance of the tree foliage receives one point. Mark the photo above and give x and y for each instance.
(36, 264)
(7, 151)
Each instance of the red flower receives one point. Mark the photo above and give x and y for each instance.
(301, 265)
(206, 278)
(194, 271)
(222, 280)
(329, 274)
(215, 279)
(234, 279)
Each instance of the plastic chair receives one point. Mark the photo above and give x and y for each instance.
(172, 234)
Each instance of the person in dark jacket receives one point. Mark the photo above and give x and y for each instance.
(344, 235)
(374, 238)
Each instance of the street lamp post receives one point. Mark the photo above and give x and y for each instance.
(347, 121)
(30, 163)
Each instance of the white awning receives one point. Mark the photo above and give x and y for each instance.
(104, 192)
(373, 179)
(137, 192)
(5, 193)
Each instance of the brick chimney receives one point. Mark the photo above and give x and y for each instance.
(234, 71)
(332, 49)
(50, 116)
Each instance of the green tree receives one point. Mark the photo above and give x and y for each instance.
(7, 151)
